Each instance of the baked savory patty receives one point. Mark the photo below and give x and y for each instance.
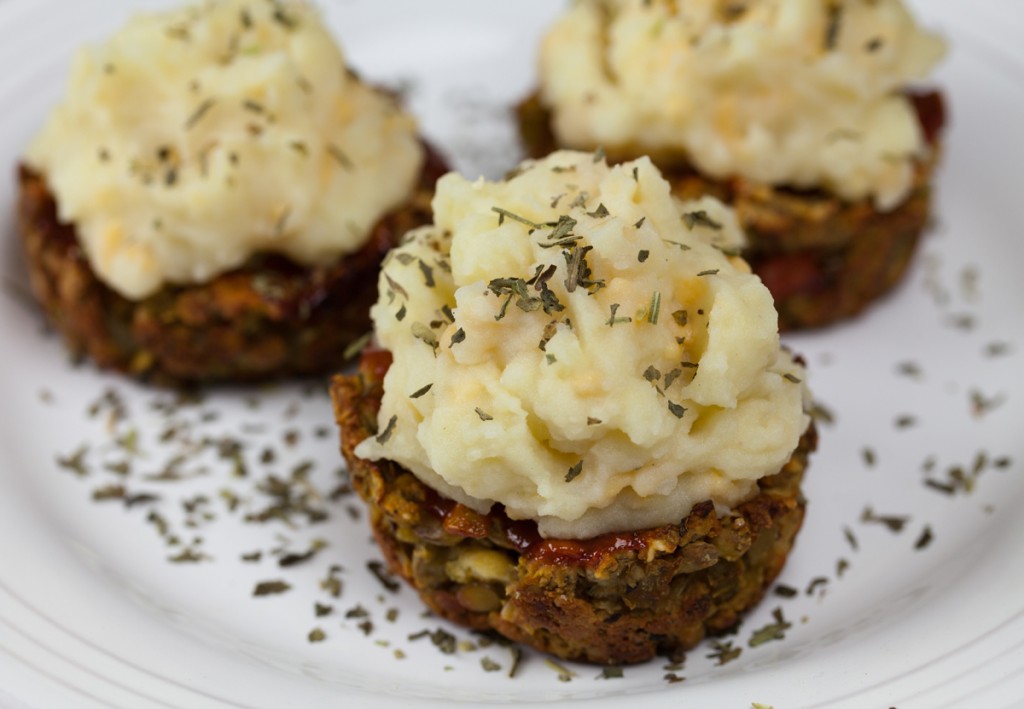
(269, 318)
(616, 598)
(824, 259)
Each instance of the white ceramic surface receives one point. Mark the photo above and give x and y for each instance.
(93, 614)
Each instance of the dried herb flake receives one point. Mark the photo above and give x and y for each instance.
(700, 218)
(925, 539)
(574, 472)
(420, 392)
(383, 437)
(270, 588)
(772, 631)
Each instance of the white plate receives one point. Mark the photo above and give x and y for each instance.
(93, 614)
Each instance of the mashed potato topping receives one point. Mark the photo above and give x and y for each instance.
(577, 345)
(197, 137)
(803, 93)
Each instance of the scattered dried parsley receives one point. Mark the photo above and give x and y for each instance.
(724, 651)
(909, 369)
(772, 631)
(997, 349)
(340, 157)
(550, 330)
(441, 639)
(394, 287)
(868, 455)
(505, 214)
(613, 320)
(815, 584)
(924, 539)
(383, 437)
(201, 111)
(75, 462)
(905, 421)
(671, 377)
(317, 635)
(294, 559)
(574, 472)
(517, 659)
(822, 414)
(428, 274)
(578, 273)
(421, 391)
(700, 218)
(518, 289)
(681, 245)
(271, 588)
(357, 613)
(189, 555)
(893, 523)
(484, 416)
(654, 310)
(332, 584)
(562, 230)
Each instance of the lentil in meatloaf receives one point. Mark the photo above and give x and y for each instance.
(269, 318)
(823, 259)
(617, 598)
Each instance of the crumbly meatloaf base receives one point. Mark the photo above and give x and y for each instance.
(823, 259)
(269, 318)
(617, 598)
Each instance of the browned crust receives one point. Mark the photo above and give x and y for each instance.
(824, 259)
(618, 598)
(269, 318)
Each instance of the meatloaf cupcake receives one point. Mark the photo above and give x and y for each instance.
(578, 427)
(212, 198)
(798, 114)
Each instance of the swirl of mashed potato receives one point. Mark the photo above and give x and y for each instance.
(582, 348)
(801, 93)
(195, 138)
